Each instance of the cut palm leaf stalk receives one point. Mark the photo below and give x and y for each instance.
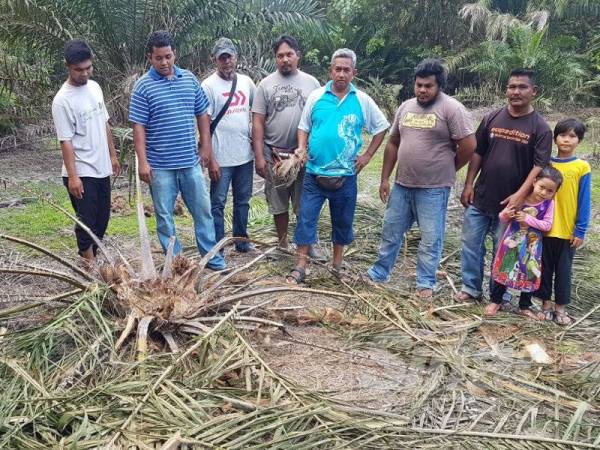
(101, 247)
(47, 273)
(5, 313)
(49, 253)
(148, 270)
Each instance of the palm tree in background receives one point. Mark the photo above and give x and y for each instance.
(117, 31)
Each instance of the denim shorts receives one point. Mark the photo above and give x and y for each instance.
(342, 204)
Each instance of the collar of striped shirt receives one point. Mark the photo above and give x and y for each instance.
(153, 73)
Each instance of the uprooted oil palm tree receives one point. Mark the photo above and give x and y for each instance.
(182, 298)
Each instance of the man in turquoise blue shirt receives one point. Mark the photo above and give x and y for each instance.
(330, 134)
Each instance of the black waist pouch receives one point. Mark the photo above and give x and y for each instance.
(330, 183)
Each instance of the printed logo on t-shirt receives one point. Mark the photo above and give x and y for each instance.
(92, 112)
(509, 135)
(287, 96)
(415, 120)
(239, 98)
(238, 102)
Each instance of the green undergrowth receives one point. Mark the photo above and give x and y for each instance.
(39, 220)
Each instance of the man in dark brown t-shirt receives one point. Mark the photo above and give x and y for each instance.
(514, 144)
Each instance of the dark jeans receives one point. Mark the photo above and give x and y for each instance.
(342, 205)
(240, 178)
(557, 262)
(93, 209)
(498, 291)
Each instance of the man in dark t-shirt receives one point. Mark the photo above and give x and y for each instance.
(514, 144)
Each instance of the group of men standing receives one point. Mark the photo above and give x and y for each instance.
(289, 115)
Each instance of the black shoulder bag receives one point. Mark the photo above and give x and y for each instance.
(215, 122)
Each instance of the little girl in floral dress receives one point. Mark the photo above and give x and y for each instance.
(517, 265)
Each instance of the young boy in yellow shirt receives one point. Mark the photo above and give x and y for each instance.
(571, 220)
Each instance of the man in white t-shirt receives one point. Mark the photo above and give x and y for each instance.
(89, 156)
(231, 141)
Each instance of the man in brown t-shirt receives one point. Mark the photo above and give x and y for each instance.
(514, 144)
(432, 137)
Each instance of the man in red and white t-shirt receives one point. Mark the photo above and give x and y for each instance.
(231, 141)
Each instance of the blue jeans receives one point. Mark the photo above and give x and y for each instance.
(164, 187)
(476, 226)
(240, 178)
(342, 204)
(426, 206)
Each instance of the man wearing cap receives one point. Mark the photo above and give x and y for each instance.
(276, 113)
(167, 106)
(230, 95)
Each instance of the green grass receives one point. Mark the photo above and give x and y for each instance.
(41, 222)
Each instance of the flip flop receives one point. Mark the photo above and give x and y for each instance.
(424, 294)
(532, 314)
(339, 273)
(548, 314)
(562, 318)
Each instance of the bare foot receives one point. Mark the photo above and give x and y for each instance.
(462, 296)
(531, 314)
(425, 294)
(491, 309)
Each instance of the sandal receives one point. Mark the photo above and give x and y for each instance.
(491, 309)
(296, 276)
(562, 318)
(532, 314)
(548, 314)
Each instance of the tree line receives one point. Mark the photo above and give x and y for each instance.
(480, 42)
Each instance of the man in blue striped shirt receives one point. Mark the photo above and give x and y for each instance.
(166, 104)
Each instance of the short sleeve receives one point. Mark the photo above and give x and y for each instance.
(460, 122)
(375, 120)
(543, 146)
(482, 137)
(64, 121)
(259, 104)
(395, 132)
(306, 118)
(106, 114)
(210, 95)
(316, 83)
(104, 110)
(201, 102)
(139, 111)
(252, 90)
